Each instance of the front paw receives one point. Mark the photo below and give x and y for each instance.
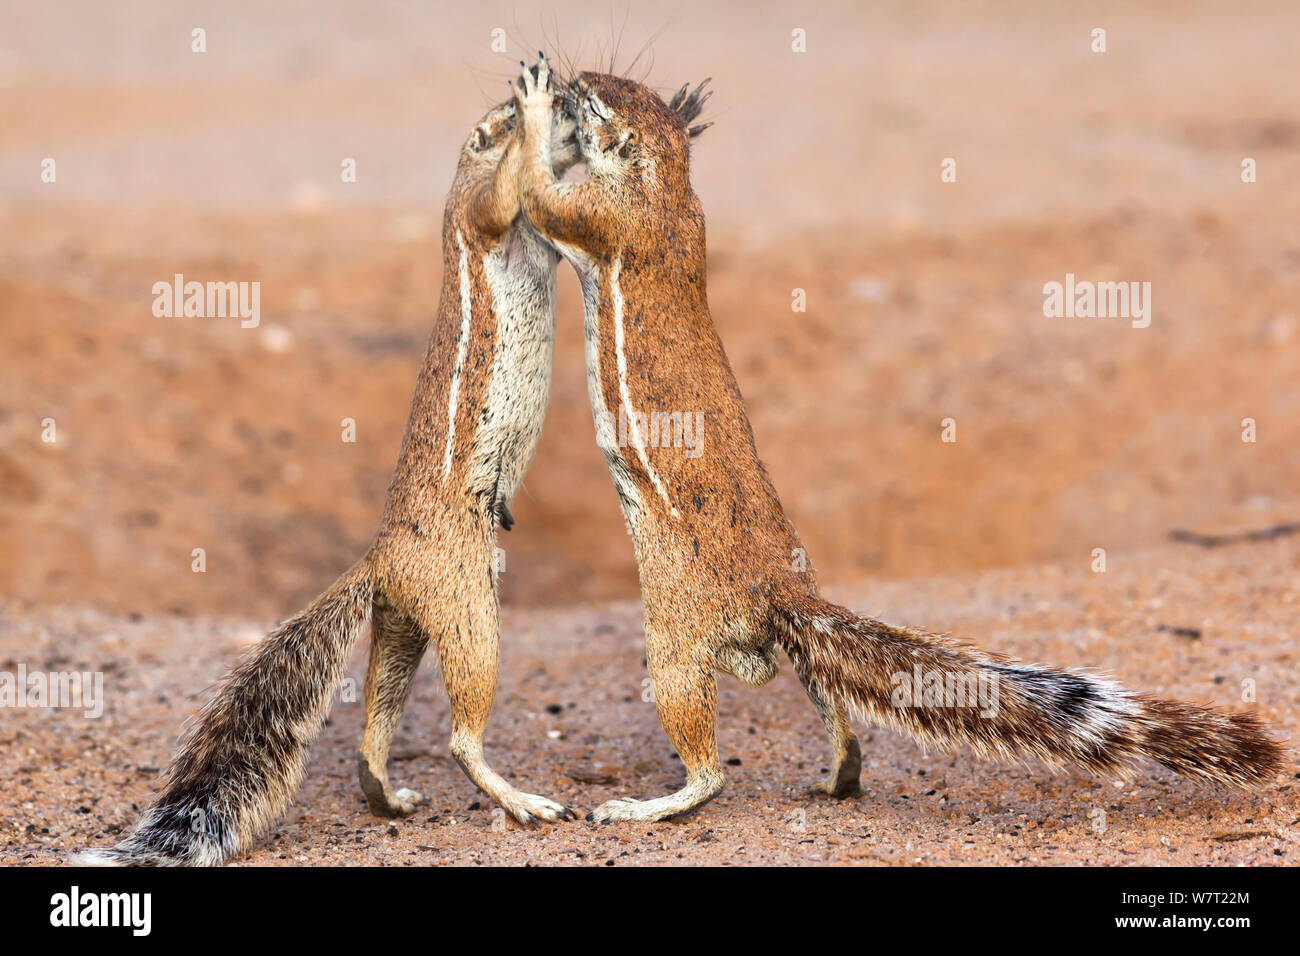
(534, 91)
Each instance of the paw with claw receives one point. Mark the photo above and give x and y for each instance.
(528, 809)
(534, 92)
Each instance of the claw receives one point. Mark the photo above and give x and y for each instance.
(687, 106)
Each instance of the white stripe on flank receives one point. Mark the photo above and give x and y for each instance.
(617, 293)
(465, 309)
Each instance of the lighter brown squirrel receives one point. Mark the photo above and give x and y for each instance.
(428, 577)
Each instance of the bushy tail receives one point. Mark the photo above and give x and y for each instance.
(945, 694)
(241, 759)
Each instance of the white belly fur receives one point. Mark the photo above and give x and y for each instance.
(521, 274)
(629, 494)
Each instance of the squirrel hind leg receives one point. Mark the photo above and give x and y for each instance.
(397, 645)
(468, 639)
(844, 778)
(686, 696)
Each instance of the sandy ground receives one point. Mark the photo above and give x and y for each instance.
(821, 174)
(570, 722)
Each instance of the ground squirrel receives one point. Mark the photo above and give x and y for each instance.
(475, 420)
(714, 547)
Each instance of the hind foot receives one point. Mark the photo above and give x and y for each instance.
(839, 787)
(661, 808)
(529, 809)
(843, 781)
(400, 804)
(381, 798)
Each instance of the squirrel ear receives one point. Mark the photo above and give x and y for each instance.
(478, 139)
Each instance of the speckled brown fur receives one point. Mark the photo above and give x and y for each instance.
(723, 577)
(429, 576)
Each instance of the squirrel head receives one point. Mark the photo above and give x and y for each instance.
(487, 140)
(626, 130)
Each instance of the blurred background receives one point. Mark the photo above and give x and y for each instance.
(822, 173)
